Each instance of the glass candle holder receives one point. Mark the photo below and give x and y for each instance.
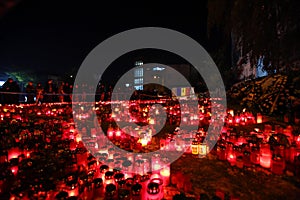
(265, 156)
(280, 150)
(239, 162)
(231, 155)
(147, 167)
(103, 169)
(153, 191)
(139, 167)
(203, 149)
(247, 159)
(124, 194)
(129, 182)
(278, 164)
(165, 172)
(195, 148)
(98, 182)
(111, 164)
(291, 153)
(136, 189)
(119, 177)
(255, 155)
(127, 168)
(109, 177)
(221, 152)
(155, 163)
(122, 184)
(110, 190)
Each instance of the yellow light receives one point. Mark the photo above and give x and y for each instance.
(259, 118)
(165, 172)
(143, 141)
(151, 121)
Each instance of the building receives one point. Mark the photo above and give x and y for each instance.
(157, 77)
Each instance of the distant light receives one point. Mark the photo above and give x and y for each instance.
(1, 83)
(71, 76)
(158, 68)
(127, 84)
(138, 63)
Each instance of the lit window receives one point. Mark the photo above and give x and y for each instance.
(138, 87)
(138, 81)
(138, 72)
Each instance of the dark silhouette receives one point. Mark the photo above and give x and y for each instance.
(11, 89)
(49, 91)
(39, 93)
(30, 90)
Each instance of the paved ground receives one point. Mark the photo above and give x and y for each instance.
(208, 175)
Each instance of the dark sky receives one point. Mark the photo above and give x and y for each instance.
(54, 36)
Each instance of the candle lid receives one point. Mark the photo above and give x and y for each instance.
(103, 168)
(126, 163)
(136, 188)
(124, 194)
(98, 181)
(129, 182)
(110, 189)
(109, 175)
(119, 176)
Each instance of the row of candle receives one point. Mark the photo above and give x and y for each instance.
(251, 152)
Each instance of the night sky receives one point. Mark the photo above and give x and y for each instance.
(54, 36)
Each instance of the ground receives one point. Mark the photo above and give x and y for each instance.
(209, 174)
